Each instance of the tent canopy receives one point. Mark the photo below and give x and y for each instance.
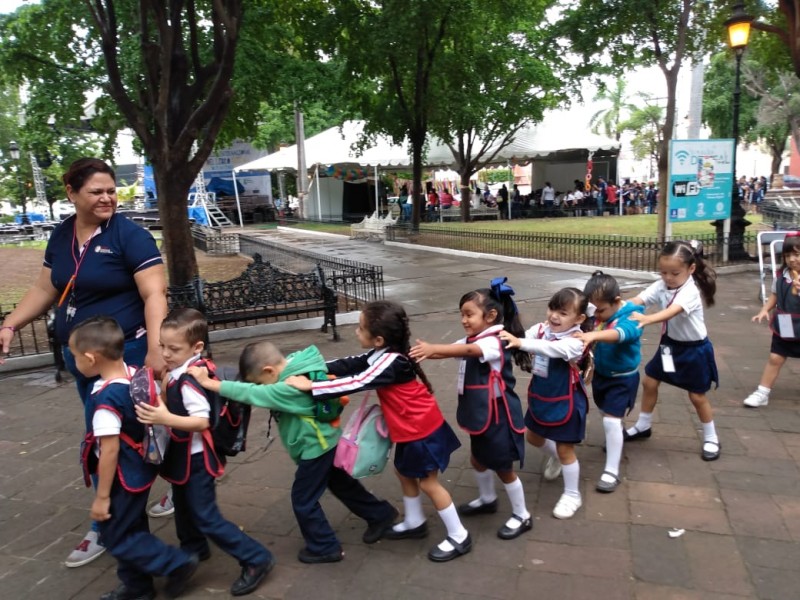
(557, 134)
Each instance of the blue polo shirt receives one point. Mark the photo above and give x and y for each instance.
(624, 356)
(105, 284)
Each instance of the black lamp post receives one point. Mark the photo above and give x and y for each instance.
(738, 26)
(14, 151)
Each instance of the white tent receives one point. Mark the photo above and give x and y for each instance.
(558, 138)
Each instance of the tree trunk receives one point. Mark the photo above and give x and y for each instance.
(466, 197)
(777, 159)
(417, 206)
(178, 244)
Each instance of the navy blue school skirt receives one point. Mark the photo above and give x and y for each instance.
(571, 432)
(786, 348)
(695, 366)
(499, 447)
(419, 458)
(615, 396)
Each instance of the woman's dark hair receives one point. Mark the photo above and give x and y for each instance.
(390, 321)
(507, 316)
(571, 299)
(691, 253)
(791, 244)
(82, 169)
(602, 287)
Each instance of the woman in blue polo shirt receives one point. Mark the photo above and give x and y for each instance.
(97, 263)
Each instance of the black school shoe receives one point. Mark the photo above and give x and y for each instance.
(177, 580)
(509, 533)
(438, 555)
(251, 578)
(488, 508)
(639, 435)
(122, 592)
(418, 532)
(376, 530)
(308, 557)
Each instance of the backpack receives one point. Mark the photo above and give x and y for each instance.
(364, 447)
(144, 390)
(229, 419)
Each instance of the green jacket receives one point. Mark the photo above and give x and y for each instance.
(303, 436)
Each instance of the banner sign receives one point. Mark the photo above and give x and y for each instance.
(700, 180)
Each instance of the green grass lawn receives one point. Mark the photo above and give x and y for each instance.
(633, 225)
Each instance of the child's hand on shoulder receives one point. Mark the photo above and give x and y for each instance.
(587, 337)
(420, 351)
(641, 318)
(299, 382)
(200, 374)
(512, 341)
(152, 415)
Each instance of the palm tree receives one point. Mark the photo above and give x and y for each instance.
(609, 118)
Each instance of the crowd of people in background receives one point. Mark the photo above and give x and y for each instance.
(752, 192)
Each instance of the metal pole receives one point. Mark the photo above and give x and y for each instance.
(302, 173)
(238, 204)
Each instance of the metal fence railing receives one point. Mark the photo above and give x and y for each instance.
(355, 283)
(31, 339)
(610, 251)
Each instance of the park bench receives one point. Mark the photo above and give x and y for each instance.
(261, 292)
(372, 228)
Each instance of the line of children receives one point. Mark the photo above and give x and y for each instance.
(617, 353)
(424, 440)
(111, 450)
(557, 404)
(191, 463)
(488, 407)
(785, 323)
(310, 441)
(685, 356)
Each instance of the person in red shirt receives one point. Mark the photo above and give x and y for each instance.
(611, 192)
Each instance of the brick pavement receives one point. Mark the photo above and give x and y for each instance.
(741, 514)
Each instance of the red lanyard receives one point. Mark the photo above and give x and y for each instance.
(78, 262)
(664, 324)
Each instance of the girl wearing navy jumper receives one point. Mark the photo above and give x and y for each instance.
(557, 405)
(617, 354)
(191, 463)
(424, 440)
(785, 324)
(488, 408)
(685, 356)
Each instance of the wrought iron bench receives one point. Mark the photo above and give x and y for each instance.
(261, 292)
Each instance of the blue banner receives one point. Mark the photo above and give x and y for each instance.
(700, 179)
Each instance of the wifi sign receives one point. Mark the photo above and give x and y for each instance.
(682, 155)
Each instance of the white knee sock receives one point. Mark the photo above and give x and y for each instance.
(485, 482)
(452, 523)
(414, 517)
(572, 475)
(643, 424)
(517, 497)
(549, 448)
(613, 429)
(710, 432)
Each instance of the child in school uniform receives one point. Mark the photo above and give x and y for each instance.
(488, 407)
(111, 451)
(424, 440)
(191, 464)
(557, 404)
(617, 354)
(685, 356)
(310, 439)
(785, 323)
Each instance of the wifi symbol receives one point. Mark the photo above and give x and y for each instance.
(682, 155)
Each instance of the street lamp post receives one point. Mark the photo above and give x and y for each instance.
(738, 26)
(14, 151)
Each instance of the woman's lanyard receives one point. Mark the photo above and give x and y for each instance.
(69, 289)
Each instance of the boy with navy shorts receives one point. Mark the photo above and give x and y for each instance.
(111, 450)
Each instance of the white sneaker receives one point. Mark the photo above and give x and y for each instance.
(162, 508)
(552, 468)
(85, 552)
(756, 399)
(566, 507)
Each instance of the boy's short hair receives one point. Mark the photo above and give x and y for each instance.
(258, 355)
(99, 334)
(191, 322)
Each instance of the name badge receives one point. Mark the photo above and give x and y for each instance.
(785, 326)
(541, 365)
(667, 364)
(462, 369)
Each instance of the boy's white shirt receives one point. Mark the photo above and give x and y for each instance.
(196, 403)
